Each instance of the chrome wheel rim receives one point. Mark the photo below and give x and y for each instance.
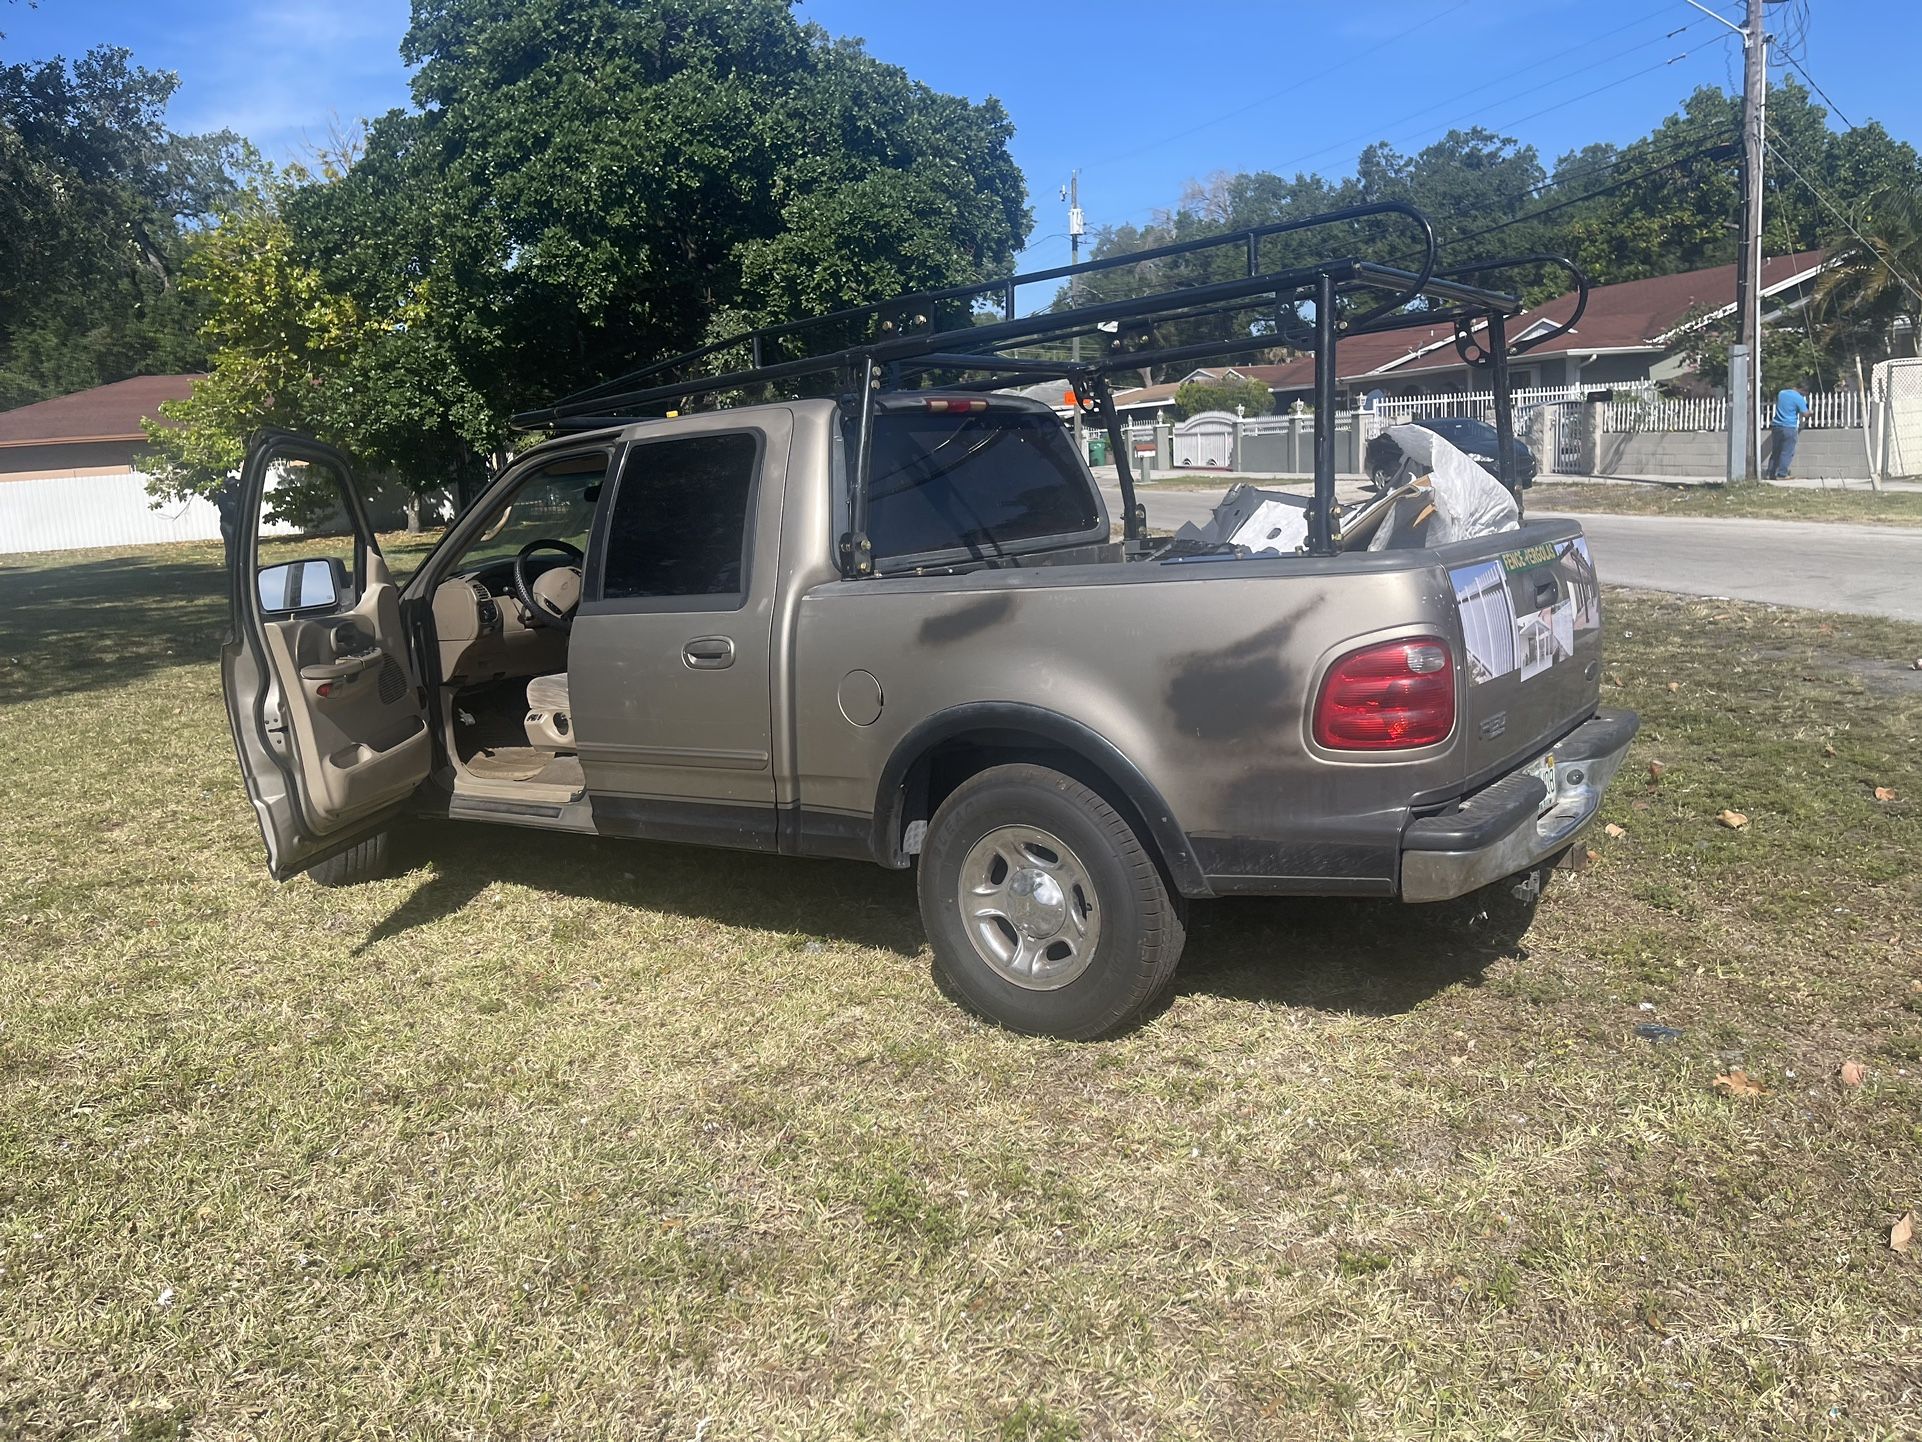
(1029, 907)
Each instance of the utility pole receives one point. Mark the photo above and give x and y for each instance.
(1077, 226)
(1755, 89)
(1746, 465)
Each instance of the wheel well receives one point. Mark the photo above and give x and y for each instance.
(942, 767)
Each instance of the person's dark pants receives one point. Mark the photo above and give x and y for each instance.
(1784, 438)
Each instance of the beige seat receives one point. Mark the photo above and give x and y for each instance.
(549, 723)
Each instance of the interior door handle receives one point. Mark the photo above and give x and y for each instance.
(342, 667)
(709, 653)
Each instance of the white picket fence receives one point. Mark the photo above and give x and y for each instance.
(1480, 405)
(1828, 410)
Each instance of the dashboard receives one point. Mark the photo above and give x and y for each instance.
(485, 633)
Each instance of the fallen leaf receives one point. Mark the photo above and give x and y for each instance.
(1737, 1083)
(1733, 820)
(1902, 1234)
(1675, 685)
(1854, 1073)
(1828, 750)
(1638, 806)
(1885, 793)
(1655, 770)
(1614, 831)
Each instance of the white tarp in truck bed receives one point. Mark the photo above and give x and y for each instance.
(1468, 501)
(1257, 520)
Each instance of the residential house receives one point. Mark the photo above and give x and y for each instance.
(68, 477)
(1633, 332)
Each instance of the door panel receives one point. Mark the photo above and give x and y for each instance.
(326, 707)
(669, 660)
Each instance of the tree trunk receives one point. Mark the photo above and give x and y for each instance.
(413, 513)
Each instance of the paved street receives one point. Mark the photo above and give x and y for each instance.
(1873, 570)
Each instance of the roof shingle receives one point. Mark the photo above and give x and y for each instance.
(105, 413)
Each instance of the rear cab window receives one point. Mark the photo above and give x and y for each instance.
(981, 483)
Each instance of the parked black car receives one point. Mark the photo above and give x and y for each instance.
(1474, 439)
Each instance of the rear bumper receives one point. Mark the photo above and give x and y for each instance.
(1497, 832)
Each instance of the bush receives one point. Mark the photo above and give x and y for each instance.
(1194, 397)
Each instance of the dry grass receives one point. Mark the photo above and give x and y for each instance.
(1856, 503)
(547, 1138)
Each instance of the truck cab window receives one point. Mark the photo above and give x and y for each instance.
(977, 482)
(679, 523)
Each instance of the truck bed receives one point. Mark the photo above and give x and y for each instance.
(1203, 676)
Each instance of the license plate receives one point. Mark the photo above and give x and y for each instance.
(1545, 770)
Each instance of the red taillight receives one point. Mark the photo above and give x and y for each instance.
(954, 407)
(1388, 697)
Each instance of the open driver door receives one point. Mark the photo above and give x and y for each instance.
(328, 714)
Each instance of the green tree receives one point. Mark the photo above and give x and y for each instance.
(1790, 356)
(99, 205)
(1871, 296)
(1225, 394)
(292, 353)
(588, 184)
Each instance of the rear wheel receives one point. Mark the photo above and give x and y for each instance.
(365, 861)
(1045, 912)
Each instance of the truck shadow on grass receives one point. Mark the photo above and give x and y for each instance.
(104, 623)
(1370, 958)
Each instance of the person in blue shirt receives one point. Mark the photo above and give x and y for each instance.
(1790, 406)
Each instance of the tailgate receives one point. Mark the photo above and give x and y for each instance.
(1530, 611)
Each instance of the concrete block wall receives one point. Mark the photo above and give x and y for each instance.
(1819, 455)
(1290, 450)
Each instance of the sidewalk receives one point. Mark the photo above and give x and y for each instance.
(1107, 477)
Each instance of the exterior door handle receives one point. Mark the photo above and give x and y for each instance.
(709, 653)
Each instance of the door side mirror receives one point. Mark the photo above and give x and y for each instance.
(293, 587)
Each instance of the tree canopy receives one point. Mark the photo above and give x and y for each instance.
(99, 206)
(1662, 204)
(585, 185)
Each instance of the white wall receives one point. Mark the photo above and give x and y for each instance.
(63, 513)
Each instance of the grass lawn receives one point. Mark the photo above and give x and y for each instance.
(1857, 503)
(548, 1138)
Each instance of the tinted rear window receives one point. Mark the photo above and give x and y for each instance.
(680, 519)
(979, 482)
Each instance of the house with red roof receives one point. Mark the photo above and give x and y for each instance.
(68, 472)
(1632, 332)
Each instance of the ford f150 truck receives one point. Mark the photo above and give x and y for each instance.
(896, 625)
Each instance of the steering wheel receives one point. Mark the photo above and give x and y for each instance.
(552, 597)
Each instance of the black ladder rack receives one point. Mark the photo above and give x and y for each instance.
(1349, 295)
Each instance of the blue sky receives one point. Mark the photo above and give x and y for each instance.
(1141, 96)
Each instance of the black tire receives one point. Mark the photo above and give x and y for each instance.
(1142, 921)
(365, 861)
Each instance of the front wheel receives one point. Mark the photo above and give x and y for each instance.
(1045, 912)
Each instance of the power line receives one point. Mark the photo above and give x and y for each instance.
(1386, 130)
(1261, 100)
(1613, 186)
(1478, 115)
(1682, 135)
(1835, 109)
(1847, 224)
